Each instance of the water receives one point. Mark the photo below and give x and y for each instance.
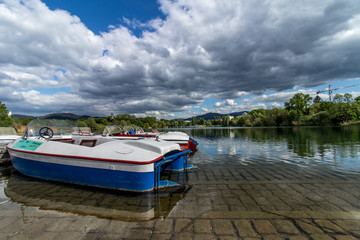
(335, 147)
(274, 183)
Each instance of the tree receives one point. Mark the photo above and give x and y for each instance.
(81, 123)
(202, 121)
(315, 108)
(226, 121)
(299, 102)
(123, 123)
(233, 121)
(125, 117)
(348, 98)
(338, 98)
(248, 123)
(356, 106)
(317, 119)
(92, 125)
(5, 119)
(176, 123)
(298, 105)
(240, 120)
(194, 121)
(342, 112)
(326, 106)
(317, 99)
(102, 121)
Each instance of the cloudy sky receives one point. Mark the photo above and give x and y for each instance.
(174, 58)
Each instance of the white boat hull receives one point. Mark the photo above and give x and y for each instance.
(123, 165)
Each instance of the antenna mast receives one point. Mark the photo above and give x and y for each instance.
(331, 90)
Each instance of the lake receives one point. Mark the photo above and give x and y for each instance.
(251, 183)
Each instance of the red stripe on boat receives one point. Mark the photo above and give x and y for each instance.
(86, 158)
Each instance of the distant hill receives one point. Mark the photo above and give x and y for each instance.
(63, 116)
(235, 114)
(211, 116)
(21, 117)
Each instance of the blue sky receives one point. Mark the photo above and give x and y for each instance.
(99, 15)
(173, 59)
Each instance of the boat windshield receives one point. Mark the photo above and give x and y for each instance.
(111, 130)
(86, 131)
(7, 131)
(129, 129)
(60, 128)
(139, 130)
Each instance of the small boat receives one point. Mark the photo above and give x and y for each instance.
(56, 150)
(184, 140)
(7, 135)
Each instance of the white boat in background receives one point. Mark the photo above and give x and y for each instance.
(54, 150)
(128, 132)
(7, 135)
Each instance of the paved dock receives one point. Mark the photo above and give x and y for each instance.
(253, 202)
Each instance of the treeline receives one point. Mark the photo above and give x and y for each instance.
(98, 124)
(300, 110)
(95, 124)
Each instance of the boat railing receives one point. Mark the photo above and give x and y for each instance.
(167, 160)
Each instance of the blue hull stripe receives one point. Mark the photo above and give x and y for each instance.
(121, 180)
(180, 164)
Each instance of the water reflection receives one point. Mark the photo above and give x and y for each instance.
(91, 201)
(335, 146)
(3, 198)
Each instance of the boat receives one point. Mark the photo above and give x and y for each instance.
(56, 150)
(7, 135)
(128, 132)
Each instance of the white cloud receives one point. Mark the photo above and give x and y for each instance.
(276, 105)
(219, 49)
(227, 102)
(279, 96)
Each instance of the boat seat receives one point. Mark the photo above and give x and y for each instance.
(71, 141)
(88, 142)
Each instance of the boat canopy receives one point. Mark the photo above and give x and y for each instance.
(60, 128)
